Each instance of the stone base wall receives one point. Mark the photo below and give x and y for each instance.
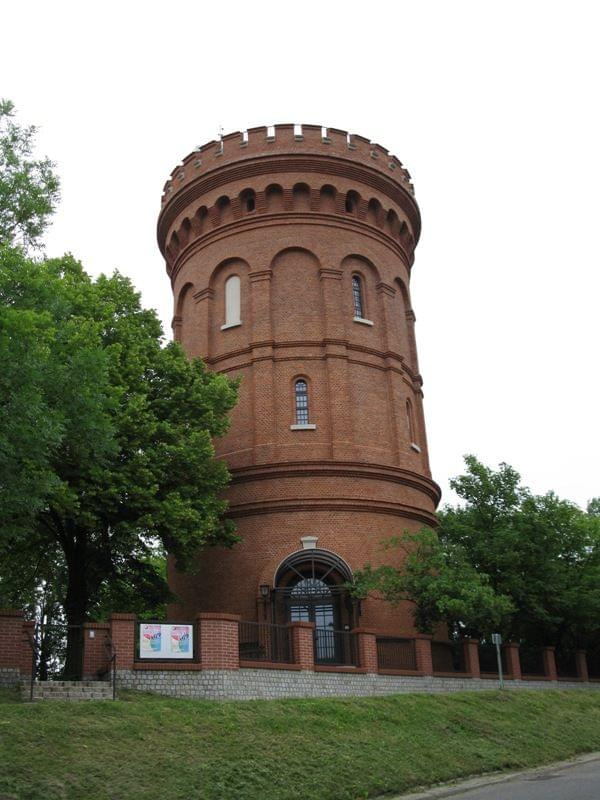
(271, 684)
(10, 677)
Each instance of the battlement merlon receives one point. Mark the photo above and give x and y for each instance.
(285, 139)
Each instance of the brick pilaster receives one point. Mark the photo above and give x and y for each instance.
(13, 645)
(550, 663)
(95, 649)
(582, 667)
(423, 653)
(513, 660)
(303, 644)
(471, 653)
(122, 633)
(367, 649)
(219, 640)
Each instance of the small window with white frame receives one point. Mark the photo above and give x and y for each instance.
(232, 302)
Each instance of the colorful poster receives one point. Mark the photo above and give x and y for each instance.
(166, 641)
(150, 639)
(180, 639)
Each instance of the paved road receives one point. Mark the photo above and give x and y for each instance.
(568, 782)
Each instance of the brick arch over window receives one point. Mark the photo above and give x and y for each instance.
(301, 197)
(183, 313)
(274, 197)
(357, 265)
(314, 556)
(223, 339)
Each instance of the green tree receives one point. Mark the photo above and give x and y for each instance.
(29, 188)
(440, 582)
(540, 551)
(504, 559)
(124, 428)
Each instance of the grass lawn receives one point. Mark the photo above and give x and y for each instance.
(144, 747)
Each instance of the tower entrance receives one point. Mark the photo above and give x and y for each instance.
(311, 586)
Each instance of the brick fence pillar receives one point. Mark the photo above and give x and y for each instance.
(303, 644)
(14, 649)
(219, 640)
(513, 660)
(367, 649)
(582, 667)
(95, 649)
(550, 663)
(122, 633)
(423, 653)
(471, 651)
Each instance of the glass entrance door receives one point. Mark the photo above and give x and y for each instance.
(311, 600)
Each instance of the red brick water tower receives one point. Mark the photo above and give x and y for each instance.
(289, 251)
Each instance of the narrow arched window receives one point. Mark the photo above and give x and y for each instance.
(357, 295)
(232, 301)
(301, 398)
(411, 425)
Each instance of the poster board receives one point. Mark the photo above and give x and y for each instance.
(165, 641)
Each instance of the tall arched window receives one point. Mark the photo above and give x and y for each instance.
(232, 302)
(357, 295)
(301, 399)
(412, 434)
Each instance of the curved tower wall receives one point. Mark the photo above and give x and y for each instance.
(295, 213)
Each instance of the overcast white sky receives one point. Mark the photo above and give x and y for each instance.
(493, 107)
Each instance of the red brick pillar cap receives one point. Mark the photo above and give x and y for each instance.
(300, 624)
(469, 640)
(218, 616)
(370, 631)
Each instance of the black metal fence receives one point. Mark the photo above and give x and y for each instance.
(566, 663)
(448, 657)
(394, 653)
(488, 659)
(532, 660)
(335, 648)
(57, 652)
(593, 664)
(261, 641)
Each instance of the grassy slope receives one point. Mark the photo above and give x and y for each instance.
(152, 747)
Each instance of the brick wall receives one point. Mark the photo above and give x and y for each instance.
(355, 478)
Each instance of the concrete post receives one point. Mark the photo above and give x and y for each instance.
(219, 640)
(303, 644)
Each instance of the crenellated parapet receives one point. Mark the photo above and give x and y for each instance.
(353, 160)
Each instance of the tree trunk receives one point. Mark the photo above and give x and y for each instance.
(76, 603)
